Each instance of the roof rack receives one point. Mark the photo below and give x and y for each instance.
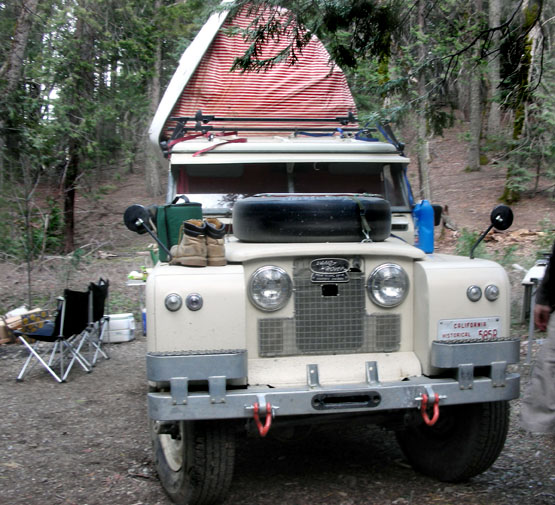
(202, 127)
(201, 124)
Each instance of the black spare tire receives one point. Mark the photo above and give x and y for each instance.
(297, 217)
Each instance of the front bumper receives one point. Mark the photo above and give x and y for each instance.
(220, 402)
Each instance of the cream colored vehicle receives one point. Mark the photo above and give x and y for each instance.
(320, 316)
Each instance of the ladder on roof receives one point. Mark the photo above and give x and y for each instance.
(202, 124)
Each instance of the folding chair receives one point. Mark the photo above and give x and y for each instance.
(70, 321)
(93, 336)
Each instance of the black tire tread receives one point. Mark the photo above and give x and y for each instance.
(473, 448)
(211, 445)
(215, 455)
(492, 438)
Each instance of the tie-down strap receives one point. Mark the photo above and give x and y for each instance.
(363, 221)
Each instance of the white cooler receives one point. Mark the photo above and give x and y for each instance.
(121, 328)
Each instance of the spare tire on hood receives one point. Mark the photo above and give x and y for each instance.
(294, 217)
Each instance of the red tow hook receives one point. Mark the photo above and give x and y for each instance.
(263, 430)
(424, 406)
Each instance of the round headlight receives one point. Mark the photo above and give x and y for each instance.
(173, 302)
(270, 288)
(388, 285)
(474, 293)
(492, 292)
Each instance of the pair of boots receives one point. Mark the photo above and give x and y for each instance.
(201, 244)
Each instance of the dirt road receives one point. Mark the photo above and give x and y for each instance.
(85, 442)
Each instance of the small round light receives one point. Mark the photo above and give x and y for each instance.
(474, 293)
(194, 301)
(388, 285)
(492, 292)
(270, 288)
(173, 302)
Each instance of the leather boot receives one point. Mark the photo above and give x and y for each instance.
(215, 231)
(191, 250)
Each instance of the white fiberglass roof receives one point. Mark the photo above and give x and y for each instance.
(283, 149)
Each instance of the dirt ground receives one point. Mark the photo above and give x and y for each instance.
(86, 442)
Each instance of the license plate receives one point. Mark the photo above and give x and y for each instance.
(479, 328)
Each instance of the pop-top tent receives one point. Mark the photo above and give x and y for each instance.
(312, 88)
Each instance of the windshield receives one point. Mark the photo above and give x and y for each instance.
(218, 186)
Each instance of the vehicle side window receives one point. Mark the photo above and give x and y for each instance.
(396, 190)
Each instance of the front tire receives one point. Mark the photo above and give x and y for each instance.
(465, 441)
(195, 463)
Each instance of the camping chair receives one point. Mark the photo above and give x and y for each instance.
(70, 321)
(93, 336)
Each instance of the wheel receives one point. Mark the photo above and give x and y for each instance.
(195, 461)
(464, 442)
(310, 218)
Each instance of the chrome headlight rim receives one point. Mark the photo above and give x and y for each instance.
(474, 293)
(492, 292)
(173, 302)
(194, 302)
(266, 304)
(377, 296)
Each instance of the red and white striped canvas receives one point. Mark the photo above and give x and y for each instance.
(311, 88)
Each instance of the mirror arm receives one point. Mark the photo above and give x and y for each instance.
(482, 236)
(139, 222)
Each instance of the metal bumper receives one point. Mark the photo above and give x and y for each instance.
(352, 398)
(219, 402)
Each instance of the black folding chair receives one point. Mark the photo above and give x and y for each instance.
(70, 321)
(93, 336)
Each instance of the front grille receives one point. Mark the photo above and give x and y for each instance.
(328, 319)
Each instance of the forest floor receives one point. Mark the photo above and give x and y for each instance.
(86, 441)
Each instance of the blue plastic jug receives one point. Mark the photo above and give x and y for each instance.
(143, 315)
(423, 213)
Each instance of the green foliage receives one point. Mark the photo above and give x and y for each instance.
(532, 155)
(121, 302)
(351, 29)
(10, 246)
(465, 242)
(73, 263)
(546, 237)
(82, 104)
(98, 101)
(45, 228)
(515, 50)
(54, 228)
(507, 256)
(101, 191)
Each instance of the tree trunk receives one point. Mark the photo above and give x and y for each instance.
(463, 94)
(423, 156)
(530, 9)
(80, 92)
(70, 181)
(475, 104)
(494, 116)
(422, 133)
(29, 187)
(475, 120)
(152, 163)
(12, 68)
